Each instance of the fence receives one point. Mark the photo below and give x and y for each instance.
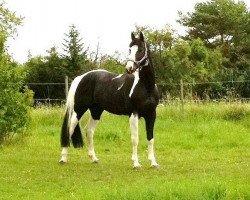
(181, 92)
(48, 100)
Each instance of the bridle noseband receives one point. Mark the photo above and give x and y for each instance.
(140, 63)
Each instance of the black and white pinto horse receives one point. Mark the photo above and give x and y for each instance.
(134, 94)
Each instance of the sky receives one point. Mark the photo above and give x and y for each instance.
(107, 22)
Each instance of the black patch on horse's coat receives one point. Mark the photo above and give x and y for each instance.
(98, 91)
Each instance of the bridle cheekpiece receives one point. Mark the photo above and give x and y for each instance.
(140, 63)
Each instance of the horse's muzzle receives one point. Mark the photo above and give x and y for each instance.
(131, 70)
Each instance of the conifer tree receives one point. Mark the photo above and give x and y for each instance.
(75, 55)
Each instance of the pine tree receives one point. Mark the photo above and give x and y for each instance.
(75, 55)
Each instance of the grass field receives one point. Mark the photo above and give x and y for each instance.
(204, 153)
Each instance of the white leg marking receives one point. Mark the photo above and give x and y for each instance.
(90, 129)
(136, 80)
(64, 155)
(133, 121)
(72, 124)
(151, 155)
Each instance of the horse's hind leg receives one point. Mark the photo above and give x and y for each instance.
(90, 130)
(73, 121)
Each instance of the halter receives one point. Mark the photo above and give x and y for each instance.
(138, 64)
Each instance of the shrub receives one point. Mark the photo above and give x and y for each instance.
(14, 100)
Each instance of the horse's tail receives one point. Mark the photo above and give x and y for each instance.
(65, 130)
(76, 136)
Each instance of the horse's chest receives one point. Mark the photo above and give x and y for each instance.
(144, 100)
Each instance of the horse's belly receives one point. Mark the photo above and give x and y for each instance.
(115, 107)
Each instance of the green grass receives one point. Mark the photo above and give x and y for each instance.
(204, 153)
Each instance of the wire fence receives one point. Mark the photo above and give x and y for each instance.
(182, 92)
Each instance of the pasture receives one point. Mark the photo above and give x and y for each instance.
(204, 153)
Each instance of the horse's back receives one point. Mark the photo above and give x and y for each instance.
(104, 89)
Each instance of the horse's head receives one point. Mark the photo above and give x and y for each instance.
(138, 54)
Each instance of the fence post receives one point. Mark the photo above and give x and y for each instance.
(182, 96)
(66, 86)
(192, 93)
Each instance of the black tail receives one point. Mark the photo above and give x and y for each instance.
(65, 131)
(76, 138)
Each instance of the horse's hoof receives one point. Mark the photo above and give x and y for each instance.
(95, 161)
(137, 166)
(62, 162)
(155, 166)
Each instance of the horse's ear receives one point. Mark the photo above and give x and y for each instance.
(132, 36)
(141, 36)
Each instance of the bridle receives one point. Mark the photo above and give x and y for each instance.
(143, 61)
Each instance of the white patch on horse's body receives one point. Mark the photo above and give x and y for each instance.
(133, 121)
(119, 76)
(120, 86)
(151, 155)
(136, 80)
(90, 129)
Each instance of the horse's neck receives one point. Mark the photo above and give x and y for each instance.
(147, 76)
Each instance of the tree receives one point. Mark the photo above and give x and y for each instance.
(75, 55)
(223, 25)
(216, 22)
(8, 20)
(48, 69)
(112, 63)
(14, 104)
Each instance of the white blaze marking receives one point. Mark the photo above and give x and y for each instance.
(136, 80)
(131, 56)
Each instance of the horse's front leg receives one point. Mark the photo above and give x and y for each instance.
(90, 130)
(133, 121)
(150, 121)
